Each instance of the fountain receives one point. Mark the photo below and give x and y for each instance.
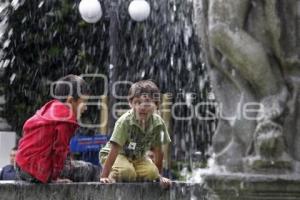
(252, 50)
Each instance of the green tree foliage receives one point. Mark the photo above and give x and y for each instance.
(48, 40)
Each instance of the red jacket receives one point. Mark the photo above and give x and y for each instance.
(44, 146)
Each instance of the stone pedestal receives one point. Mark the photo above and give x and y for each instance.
(251, 186)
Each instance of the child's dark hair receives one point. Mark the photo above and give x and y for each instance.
(70, 85)
(144, 87)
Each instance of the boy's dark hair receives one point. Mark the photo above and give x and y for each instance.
(70, 85)
(144, 87)
(14, 149)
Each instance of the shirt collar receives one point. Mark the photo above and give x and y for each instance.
(154, 121)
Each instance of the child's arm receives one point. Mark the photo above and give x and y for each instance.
(112, 155)
(158, 158)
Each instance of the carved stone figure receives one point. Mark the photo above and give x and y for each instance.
(252, 49)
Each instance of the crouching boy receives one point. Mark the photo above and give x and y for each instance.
(135, 132)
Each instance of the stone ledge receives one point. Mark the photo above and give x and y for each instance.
(212, 186)
(251, 186)
(19, 190)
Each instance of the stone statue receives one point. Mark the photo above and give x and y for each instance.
(252, 49)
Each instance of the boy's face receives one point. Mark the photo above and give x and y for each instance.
(12, 157)
(78, 105)
(143, 107)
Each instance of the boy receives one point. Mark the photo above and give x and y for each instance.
(8, 172)
(44, 146)
(135, 132)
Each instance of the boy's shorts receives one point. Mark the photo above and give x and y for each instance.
(125, 169)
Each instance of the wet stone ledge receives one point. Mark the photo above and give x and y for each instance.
(213, 187)
(241, 186)
(18, 190)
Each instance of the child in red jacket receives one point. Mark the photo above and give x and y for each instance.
(44, 146)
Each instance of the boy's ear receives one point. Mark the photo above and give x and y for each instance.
(130, 104)
(70, 100)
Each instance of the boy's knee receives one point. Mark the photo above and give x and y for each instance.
(151, 174)
(125, 174)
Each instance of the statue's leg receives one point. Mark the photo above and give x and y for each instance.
(248, 57)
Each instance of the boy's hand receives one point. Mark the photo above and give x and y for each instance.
(107, 180)
(165, 182)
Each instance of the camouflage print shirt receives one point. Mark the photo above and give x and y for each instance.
(133, 139)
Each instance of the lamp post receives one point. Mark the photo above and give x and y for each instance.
(91, 12)
(115, 63)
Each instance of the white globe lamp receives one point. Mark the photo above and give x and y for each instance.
(90, 10)
(139, 10)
